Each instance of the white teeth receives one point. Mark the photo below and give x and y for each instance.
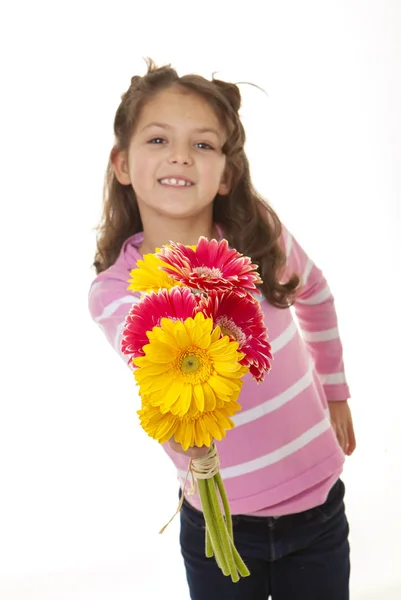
(173, 181)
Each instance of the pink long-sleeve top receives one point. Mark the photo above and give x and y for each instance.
(282, 456)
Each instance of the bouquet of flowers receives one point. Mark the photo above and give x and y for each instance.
(196, 331)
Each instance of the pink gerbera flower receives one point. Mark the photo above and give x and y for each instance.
(211, 265)
(177, 303)
(239, 316)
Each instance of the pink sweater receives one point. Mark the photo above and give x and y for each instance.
(282, 456)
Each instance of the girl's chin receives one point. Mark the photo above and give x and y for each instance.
(181, 212)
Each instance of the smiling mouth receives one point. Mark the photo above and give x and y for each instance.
(175, 182)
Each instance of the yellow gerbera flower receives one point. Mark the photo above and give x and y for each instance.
(188, 368)
(149, 276)
(189, 431)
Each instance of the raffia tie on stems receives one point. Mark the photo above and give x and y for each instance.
(219, 540)
(204, 467)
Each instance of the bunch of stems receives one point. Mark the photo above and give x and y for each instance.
(219, 539)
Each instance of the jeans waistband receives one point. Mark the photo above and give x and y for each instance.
(336, 490)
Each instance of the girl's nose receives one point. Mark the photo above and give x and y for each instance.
(180, 156)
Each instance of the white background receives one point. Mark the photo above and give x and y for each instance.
(83, 490)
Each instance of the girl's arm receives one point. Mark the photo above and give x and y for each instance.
(109, 304)
(317, 318)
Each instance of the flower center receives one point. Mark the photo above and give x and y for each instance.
(194, 365)
(207, 272)
(228, 327)
(190, 363)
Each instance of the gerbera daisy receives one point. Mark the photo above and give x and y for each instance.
(212, 265)
(187, 367)
(240, 317)
(176, 303)
(149, 276)
(189, 431)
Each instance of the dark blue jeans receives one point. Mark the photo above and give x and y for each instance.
(304, 556)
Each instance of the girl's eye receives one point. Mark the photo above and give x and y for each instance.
(158, 141)
(204, 146)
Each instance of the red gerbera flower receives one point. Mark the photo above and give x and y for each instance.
(239, 315)
(211, 265)
(176, 303)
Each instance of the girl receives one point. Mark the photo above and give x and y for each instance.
(178, 170)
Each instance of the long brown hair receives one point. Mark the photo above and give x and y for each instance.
(249, 224)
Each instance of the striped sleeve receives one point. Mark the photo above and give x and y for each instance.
(315, 312)
(109, 304)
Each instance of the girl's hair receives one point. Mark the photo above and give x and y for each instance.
(249, 224)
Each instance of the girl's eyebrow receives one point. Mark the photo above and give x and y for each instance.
(197, 129)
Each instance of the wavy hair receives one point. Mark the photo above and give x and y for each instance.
(249, 224)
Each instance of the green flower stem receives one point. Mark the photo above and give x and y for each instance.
(226, 505)
(209, 551)
(211, 526)
(208, 545)
(222, 555)
(241, 566)
(225, 539)
(219, 554)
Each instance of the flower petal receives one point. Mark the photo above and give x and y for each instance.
(199, 397)
(225, 368)
(173, 392)
(181, 406)
(219, 386)
(210, 397)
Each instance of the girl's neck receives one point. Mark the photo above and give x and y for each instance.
(176, 231)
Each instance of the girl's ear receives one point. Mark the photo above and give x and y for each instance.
(119, 160)
(225, 183)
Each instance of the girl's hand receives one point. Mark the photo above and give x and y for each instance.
(341, 420)
(194, 452)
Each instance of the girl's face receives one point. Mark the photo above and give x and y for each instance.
(175, 162)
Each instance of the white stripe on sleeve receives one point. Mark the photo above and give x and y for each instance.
(321, 336)
(288, 244)
(113, 306)
(332, 378)
(308, 268)
(317, 298)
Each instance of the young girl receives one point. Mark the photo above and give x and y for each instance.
(178, 170)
